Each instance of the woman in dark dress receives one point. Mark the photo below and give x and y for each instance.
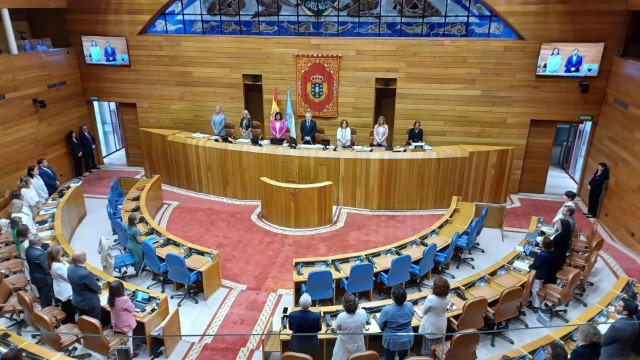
(596, 185)
(76, 152)
(245, 124)
(561, 242)
(415, 133)
(589, 344)
(542, 264)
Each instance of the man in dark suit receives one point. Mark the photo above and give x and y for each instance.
(109, 53)
(84, 287)
(305, 322)
(40, 275)
(308, 129)
(88, 143)
(574, 62)
(619, 338)
(48, 176)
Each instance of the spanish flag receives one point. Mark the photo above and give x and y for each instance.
(274, 105)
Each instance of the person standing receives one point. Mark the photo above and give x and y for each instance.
(88, 143)
(380, 132)
(30, 196)
(109, 53)
(61, 286)
(122, 309)
(554, 61)
(76, 153)
(245, 125)
(277, 127)
(619, 338)
(304, 324)
(395, 323)
(343, 135)
(38, 185)
(542, 264)
(350, 325)
(589, 343)
(434, 315)
(86, 290)
(134, 243)
(48, 176)
(569, 197)
(38, 271)
(595, 186)
(415, 134)
(217, 122)
(574, 62)
(308, 129)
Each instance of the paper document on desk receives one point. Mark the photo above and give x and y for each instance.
(104, 299)
(521, 265)
(44, 234)
(198, 136)
(373, 327)
(519, 248)
(243, 141)
(605, 326)
(48, 210)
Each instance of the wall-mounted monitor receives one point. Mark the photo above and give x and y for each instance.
(105, 50)
(569, 59)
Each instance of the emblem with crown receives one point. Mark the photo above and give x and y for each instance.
(317, 87)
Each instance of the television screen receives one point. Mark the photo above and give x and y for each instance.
(28, 45)
(569, 59)
(105, 50)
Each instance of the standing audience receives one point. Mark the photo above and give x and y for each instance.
(61, 286)
(395, 323)
(88, 143)
(29, 196)
(589, 344)
(596, 186)
(434, 315)
(84, 286)
(350, 325)
(76, 153)
(122, 309)
(34, 173)
(619, 338)
(49, 177)
(38, 271)
(542, 265)
(134, 243)
(304, 325)
(568, 198)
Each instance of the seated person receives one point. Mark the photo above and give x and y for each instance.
(415, 133)
(277, 127)
(380, 133)
(344, 134)
(568, 198)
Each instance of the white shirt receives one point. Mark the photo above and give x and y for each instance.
(559, 214)
(38, 185)
(30, 196)
(344, 136)
(434, 318)
(61, 285)
(27, 220)
(348, 344)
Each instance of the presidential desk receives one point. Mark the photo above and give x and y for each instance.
(379, 180)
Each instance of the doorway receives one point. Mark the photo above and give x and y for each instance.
(385, 105)
(109, 125)
(253, 101)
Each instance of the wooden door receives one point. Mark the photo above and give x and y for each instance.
(537, 154)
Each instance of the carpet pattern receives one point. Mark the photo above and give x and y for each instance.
(257, 261)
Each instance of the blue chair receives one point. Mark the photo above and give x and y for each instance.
(319, 285)
(444, 258)
(398, 272)
(466, 242)
(153, 263)
(114, 201)
(179, 273)
(425, 265)
(483, 216)
(120, 264)
(121, 231)
(113, 215)
(116, 189)
(360, 279)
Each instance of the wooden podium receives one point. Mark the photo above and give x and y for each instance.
(296, 206)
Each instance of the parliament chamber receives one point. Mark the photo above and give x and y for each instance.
(263, 161)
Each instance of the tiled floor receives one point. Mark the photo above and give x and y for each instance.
(558, 181)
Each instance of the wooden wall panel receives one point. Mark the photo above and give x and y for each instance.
(616, 141)
(129, 118)
(33, 4)
(536, 156)
(633, 5)
(28, 133)
(465, 91)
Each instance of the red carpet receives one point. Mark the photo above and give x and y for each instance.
(241, 319)
(99, 182)
(262, 259)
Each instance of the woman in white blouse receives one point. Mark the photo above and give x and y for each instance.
(434, 315)
(38, 185)
(29, 196)
(17, 210)
(61, 286)
(350, 325)
(380, 132)
(344, 134)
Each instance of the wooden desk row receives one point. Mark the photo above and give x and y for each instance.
(380, 180)
(70, 210)
(456, 219)
(205, 260)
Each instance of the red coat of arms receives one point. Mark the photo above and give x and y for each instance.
(317, 78)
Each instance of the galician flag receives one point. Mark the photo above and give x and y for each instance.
(274, 105)
(291, 121)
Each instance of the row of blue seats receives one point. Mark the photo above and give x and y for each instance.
(174, 268)
(320, 284)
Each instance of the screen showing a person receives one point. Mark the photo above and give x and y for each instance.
(141, 297)
(569, 59)
(105, 50)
